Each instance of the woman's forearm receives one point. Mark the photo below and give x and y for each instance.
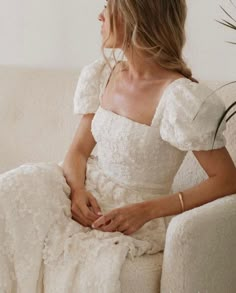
(74, 168)
(207, 191)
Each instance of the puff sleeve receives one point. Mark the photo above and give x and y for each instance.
(88, 89)
(191, 116)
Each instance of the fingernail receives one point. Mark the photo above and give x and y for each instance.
(99, 213)
(92, 226)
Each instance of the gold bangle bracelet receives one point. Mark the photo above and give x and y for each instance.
(181, 201)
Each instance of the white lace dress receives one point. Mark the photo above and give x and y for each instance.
(42, 249)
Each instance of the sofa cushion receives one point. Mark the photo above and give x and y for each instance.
(143, 274)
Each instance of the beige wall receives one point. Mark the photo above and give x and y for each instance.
(60, 33)
(206, 50)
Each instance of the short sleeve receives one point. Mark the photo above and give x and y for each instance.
(88, 89)
(190, 117)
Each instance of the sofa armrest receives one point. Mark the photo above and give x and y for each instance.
(200, 249)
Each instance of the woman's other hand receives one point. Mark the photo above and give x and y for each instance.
(84, 207)
(127, 219)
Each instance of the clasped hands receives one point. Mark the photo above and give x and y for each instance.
(127, 219)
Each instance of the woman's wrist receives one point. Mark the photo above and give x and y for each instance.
(150, 209)
(78, 188)
(167, 205)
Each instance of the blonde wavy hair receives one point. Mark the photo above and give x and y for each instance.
(156, 28)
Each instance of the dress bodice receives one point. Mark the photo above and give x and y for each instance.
(141, 156)
(134, 154)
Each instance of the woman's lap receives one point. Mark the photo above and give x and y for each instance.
(32, 198)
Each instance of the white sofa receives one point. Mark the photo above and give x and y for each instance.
(37, 125)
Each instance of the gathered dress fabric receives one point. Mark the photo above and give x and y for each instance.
(42, 249)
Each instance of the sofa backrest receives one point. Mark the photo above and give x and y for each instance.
(36, 115)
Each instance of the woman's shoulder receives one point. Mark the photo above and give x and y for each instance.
(189, 97)
(90, 84)
(191, 114)
(93, 69)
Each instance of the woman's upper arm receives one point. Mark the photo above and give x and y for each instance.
(83, 140)
(217, 162)
(86, 102)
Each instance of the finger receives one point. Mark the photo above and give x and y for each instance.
(82, 204)
(122, 228)
(77, 213)
(111, 227)
(129, 231)
(79, 220)
(95, 205)
(88, 221)
(87, 213)
(91, 209)
(103, 220)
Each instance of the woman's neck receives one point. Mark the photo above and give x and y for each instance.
(141, 68)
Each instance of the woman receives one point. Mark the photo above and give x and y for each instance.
(82, 220)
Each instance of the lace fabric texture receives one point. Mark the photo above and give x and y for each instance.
(42, 249)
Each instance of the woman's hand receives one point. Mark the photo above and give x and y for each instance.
(127, 219)
(84, 207)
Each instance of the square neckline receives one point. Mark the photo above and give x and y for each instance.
(162, 97)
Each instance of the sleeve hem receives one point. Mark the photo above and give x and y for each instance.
(207, 147)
